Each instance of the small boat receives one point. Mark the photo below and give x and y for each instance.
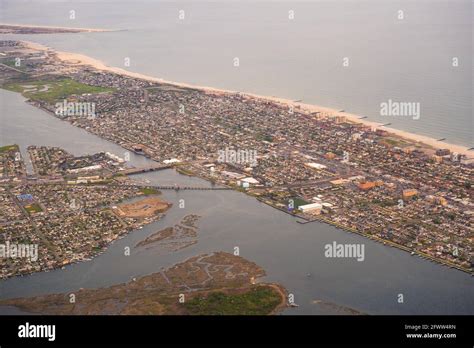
(413, 253)
(293, 305)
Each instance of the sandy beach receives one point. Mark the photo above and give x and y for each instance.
(86, 30)
(80, 59)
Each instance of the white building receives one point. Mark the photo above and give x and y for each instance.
(313, 207)
(250, 180)
(172, 160)
(315, 165)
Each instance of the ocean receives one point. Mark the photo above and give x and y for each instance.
(350, 55)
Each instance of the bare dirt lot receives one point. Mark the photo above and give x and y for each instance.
(143, 208)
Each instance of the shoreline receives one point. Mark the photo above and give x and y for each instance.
(31, 26)
(242, 271)
(374, 238)
(427, 141)
(79, 59)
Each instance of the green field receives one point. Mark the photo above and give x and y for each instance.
(149, 191)
(52, 91)
(33, 208)
(184, 171)
(8, 148)
(12, 63)
(297, 202)
(260, 300)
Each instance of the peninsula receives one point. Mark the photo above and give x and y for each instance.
(209, 284)
(40, 29)
(314, 163)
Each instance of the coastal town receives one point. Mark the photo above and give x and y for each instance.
(313, 165)
(69, 208)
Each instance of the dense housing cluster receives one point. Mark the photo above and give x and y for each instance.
(315, 166)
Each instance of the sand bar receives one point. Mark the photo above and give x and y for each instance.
(72, 29)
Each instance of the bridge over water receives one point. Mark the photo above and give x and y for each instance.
(178, 187)
(152, 168)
